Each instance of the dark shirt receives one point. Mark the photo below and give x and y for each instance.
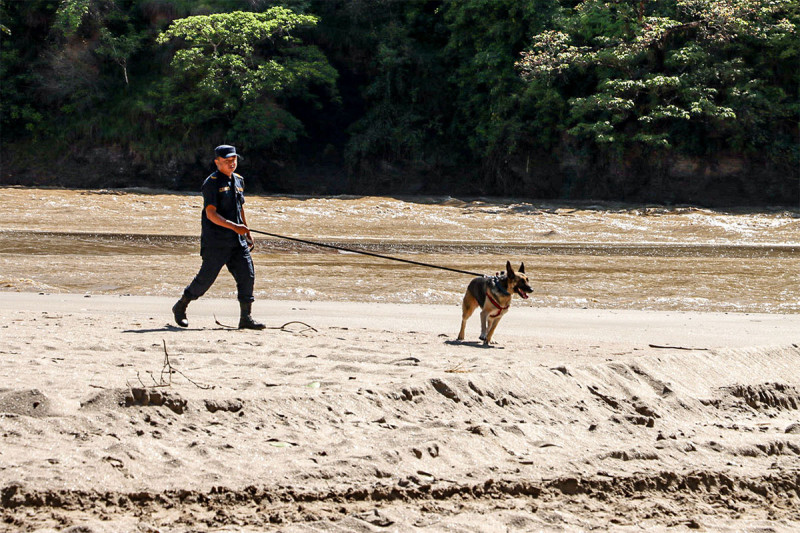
(227, 195)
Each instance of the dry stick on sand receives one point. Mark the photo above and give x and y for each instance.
(675, 347)
(221, 324)
(458, 370)
(168, 366)
(169, 369)
(282, 328)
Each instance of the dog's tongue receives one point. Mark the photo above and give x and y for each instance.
(522, 293)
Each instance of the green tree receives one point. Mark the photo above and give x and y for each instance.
(119, 48)
(530, 97)
(238, 72)
(485, 38)
(441, 94)
(3, 16)
(665, 73)
(406, 91)
(25, 26)
(495, 111)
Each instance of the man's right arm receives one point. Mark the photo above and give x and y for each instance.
(219, 220)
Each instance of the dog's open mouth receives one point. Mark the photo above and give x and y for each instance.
(522, 293)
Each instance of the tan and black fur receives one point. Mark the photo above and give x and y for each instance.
(493, 296)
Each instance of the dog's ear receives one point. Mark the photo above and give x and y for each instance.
(522, 268)
(509, 270)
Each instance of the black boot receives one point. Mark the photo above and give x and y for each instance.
(179, 310)
(246, 321)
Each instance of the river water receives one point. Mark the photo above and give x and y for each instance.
(609, 256)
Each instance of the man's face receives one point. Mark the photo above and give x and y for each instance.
(226, 165)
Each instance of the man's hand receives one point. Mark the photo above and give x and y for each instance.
(216, 218)
(240, 229)
(251, 244)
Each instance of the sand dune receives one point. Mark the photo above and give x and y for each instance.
(378, 420)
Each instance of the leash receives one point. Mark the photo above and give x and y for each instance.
(367, 253)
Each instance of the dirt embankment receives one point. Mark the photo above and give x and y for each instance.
(384, 420)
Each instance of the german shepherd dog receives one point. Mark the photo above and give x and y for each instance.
(493, 296)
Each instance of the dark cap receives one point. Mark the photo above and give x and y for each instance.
(225, 151)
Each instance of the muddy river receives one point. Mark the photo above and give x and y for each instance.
(611, 256)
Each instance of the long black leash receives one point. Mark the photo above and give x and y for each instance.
(366, 253)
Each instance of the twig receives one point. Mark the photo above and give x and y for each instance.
(168, 366)
(168, 369)
(156, 383)
(457, 369)
(190, 380)
(675, 347)
(283, 327)
(221, 324)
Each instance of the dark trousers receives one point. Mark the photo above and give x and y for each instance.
(239, 263)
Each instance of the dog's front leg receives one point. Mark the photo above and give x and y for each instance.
(492, 326)
(484, 320)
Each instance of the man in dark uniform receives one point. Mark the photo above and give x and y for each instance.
(225, 239)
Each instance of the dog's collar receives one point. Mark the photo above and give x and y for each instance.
(497, 305)
(499, 286)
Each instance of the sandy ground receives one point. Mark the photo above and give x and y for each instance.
(371, 417)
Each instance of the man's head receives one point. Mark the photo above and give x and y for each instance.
(226, 158)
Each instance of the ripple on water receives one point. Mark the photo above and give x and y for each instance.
(611, 256)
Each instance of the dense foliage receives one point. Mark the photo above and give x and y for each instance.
(689, 77)
(240, 69)
(656, 100)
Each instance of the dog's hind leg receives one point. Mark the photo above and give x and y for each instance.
(468, 306)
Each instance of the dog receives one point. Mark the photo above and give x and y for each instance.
(493, 296)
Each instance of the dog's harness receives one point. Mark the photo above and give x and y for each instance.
(497, 305)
